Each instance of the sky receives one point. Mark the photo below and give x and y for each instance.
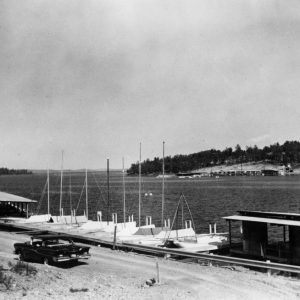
(95, 78)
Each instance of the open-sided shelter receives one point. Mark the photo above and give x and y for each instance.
(13, 205)
(254, 240)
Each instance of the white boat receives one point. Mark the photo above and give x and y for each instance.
(123, 229)
(184, 239)
(72, 219)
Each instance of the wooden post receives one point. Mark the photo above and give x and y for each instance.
(182, 219)
(140, 183)
(70, 198)
(86, 196)
(163, 188)
(115, 238)
(108, 204)
(61, 181)
(48, 193)
(157, 271)
(124, 194)
(210, 261)
(229, 234)
(269, 272)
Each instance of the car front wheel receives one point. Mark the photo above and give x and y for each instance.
(21, 256)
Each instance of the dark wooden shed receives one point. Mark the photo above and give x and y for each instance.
(254, 241)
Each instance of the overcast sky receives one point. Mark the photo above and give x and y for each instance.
(95, 78)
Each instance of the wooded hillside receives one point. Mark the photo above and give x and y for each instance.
(6, 171)
(287, 153)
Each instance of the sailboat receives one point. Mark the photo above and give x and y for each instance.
(108, 225)
(184, 239)
(126, 229)
(63, 219)
(134, 230)
(39, 218)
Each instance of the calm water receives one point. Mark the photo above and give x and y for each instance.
(209, 199)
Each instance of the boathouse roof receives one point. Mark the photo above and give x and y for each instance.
(6, 197)
(278, 218)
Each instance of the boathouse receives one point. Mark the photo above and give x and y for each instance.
(256, 237)
(14, 206)
(269, 173)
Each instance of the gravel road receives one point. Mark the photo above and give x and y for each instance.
(118, 275)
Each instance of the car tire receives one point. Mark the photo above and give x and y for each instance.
(46, 261)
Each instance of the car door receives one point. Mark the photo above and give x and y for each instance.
(32, 252)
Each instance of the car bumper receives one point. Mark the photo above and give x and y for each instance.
(68, 258)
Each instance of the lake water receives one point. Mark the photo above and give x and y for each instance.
(209, 199)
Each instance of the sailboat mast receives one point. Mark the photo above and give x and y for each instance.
(140, 181)
(163, 187)
(108, 204)
(61, 182)
(124, 195)
(86, 195)
(48, 192)
(70, 197)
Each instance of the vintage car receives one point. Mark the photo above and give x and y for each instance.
(51, 249)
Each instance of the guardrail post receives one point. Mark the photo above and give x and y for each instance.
(210, 262)
(115, 237)
(269, 270)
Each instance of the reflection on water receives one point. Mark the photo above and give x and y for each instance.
(210, 199)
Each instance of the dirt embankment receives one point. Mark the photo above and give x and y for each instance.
(118, 275)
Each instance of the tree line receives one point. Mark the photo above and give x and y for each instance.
(287, 153)
(6, 171)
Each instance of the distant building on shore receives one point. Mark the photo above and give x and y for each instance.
(269, 172)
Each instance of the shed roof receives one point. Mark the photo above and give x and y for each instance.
(6, 197)
(263, 220)
(272, 215)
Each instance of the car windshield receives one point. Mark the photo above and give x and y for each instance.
(57, 242)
